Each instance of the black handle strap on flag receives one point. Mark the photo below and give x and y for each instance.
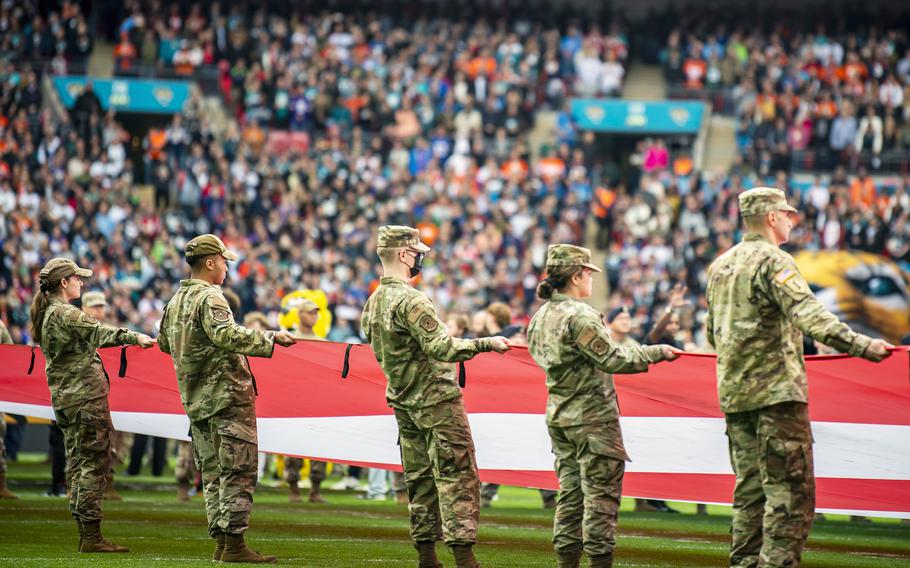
(462, 375)
(250, 369)
(122, 371)
(31, 365)
(346, 366)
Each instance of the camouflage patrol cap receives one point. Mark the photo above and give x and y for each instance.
(208, 244)
(256, 317)
(92, 299)
(398, 236)
(60, 268)
(763, 200)
(306, 305)
(570, 255)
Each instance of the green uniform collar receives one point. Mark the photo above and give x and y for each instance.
(753, 237)
(392, 280)
(560, 297)
(189, 282)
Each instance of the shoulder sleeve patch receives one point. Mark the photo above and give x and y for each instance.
(221, 315)
(88, 320)
(599, 346)
(784, 276)
(586, 336)
(428, 323)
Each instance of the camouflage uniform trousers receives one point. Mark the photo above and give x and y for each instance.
(590, 483)
(227, 455)
(440, 472)
(185, 471)
(292, 467)
(774, 498)
(87, 430)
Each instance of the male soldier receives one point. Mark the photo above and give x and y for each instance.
(415, 353)
(217, 391)
(759, 306)
(308, 314)
(94, 304)
(5, 338)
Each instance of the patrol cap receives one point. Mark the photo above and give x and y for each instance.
(92, 299)
(306, 305)
(616, 312)
(256, 317)
(60, 268)
(208, 244)
(763, 200)
(398, 236)
(570, 255)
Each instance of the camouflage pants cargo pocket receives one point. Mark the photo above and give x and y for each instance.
(774, 499)
(227, 453)
(87, 431)
(440, 472)
(590, 474)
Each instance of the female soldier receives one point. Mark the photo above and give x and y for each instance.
(68, 338)
(567, 338)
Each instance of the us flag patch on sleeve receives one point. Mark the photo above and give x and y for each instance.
(784, 275)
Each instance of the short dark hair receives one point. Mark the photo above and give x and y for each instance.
(196, 260)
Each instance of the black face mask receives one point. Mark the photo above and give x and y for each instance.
(418, 264)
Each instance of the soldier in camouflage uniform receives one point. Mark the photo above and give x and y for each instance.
(5, 493)
(95, 305)
(759, 307)
(79, 387)
(416, 355)
(308, 314)
(216, 387)
(569, 341)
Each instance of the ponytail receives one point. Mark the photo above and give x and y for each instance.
(557, 279)
(39, 306)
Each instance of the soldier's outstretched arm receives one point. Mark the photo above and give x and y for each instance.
(97, 333)
(419, 317)
(591, 337)
(218, 324)
(781, 279)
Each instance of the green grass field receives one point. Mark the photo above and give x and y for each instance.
(38, 531)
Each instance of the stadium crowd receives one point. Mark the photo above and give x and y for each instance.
(426, 124)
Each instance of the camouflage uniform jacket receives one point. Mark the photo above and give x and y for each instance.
(569, 341)
(413, 347)
(69, 339)
(208, 348)
(759, 306)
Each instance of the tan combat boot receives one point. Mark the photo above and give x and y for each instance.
(110, 494)
(464, 556)
(315, 495)
(235, 550)
(183, 491)
(294, 495)
(92, 541)
(426, 554)
(5, 493)
(601, 560)
(568, 558)
(219, 547)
